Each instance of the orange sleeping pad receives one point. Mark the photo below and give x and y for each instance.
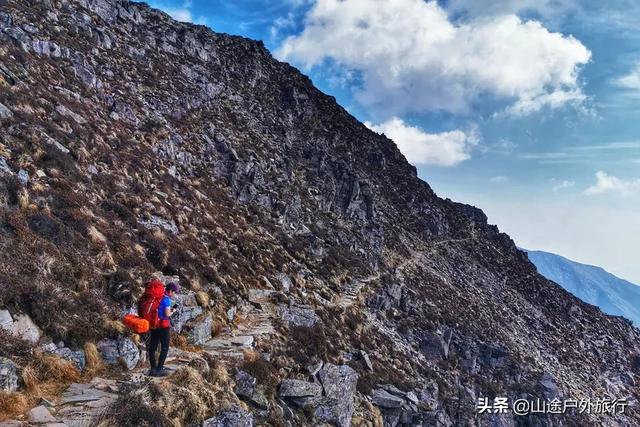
(136, 324)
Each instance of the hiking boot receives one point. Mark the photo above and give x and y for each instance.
(152, 372)
(161, 372)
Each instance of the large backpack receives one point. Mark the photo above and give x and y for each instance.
(150, 302)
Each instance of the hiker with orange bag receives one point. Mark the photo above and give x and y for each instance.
(160, 334)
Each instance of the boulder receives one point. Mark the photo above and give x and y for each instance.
(549, 387)
(121, 349)
(299, 315)
(236, 417)
(5, 112)
(339, 385)
(628, 378)
(384, 399)
(492, 355)
(246, 389)
(285, 282)
(64, 111)
(199, 331)
(40, 415)
(434, 346)
(22, 326)
(77, 357)
(6, 321)
(245, 384)
(366, 360)
(185, 314)
(8, 375)
(299, 388)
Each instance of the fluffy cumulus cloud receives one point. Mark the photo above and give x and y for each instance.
(422, 148)
(410, 57)
(606, 183)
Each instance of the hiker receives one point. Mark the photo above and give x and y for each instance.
(161, 333)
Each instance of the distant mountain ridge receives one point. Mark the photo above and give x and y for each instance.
(591, 284)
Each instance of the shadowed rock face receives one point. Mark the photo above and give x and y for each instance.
(155, 145)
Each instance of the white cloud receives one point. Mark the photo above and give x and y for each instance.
(412, 58)
(630, 81)
(562, 185)
(606, 183)
(180, 13)
(500, 179)
(419, 147)
(545, 8)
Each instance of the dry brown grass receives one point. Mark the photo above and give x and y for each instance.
(95, 364)
(115, 326)
(23, 199)
(12, 404)
(184, 398)
(250, 356)
(203, 299)
(44, 376)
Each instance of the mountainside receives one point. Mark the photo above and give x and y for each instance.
(133, 144)
(591, 284)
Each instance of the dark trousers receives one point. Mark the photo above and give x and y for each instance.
(158, 336)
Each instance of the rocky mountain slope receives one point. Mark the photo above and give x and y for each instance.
(591, 284)
(133, 144)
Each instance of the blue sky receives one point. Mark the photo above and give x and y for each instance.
(528, 109)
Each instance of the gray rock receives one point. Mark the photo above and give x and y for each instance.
(47, 48)
(87, 75)
(185, 314)
(428, 395)
(23, 176)
(492, 355)
(24, 328)
(4, 170)
(382, 398)
(411, 397)
(157, 222)
(199, 331)
(628, 378)
(77, 357)
(78, 393)
(122, 348)
(285, 282)
(339, 385)
(245, 384)
(64, 111)
(56, 144)
(299, 388)
(314, 368)
(8, 375)
(434, 346)
(40, 415)
(394, 390)
(6, 321)
(231, 313)
(236, 417)
(366, 360)
(5, 112)
(299, 315)
(549, 387)
(245, 387)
